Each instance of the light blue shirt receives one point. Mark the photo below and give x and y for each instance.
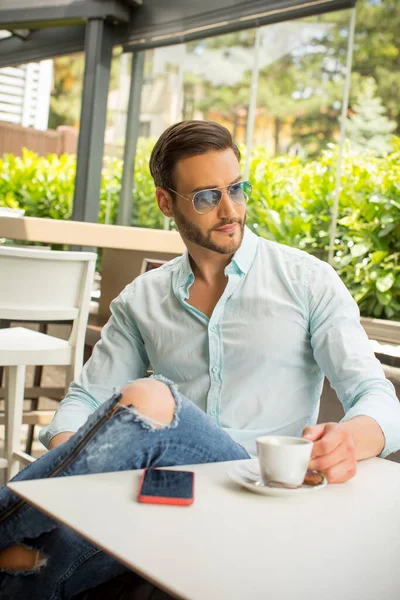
(256, 367)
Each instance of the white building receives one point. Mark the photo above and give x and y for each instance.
(25, 94)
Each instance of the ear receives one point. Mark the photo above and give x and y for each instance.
(164, 201)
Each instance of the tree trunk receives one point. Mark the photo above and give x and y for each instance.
(235, 126)
(276, 134)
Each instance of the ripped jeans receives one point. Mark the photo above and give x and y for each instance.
(114, 438)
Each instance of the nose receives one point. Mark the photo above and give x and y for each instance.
(226, 208)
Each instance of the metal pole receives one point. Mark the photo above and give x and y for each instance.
(131, 138)
(252, 103)
(345, 105)
(98, 52)
(117, 129)
(177, 115)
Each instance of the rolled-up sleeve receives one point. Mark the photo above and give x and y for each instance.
(344, 354)
(119, 357)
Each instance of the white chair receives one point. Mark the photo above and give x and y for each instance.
(39, 285)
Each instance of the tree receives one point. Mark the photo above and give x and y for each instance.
(376, 54)
(305, 86)
(368, 126)
(211, 91)
(65, 101)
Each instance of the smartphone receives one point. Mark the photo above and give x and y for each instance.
(162, 486)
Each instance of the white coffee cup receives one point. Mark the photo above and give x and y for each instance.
(283, 459)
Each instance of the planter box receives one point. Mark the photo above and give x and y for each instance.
(381, 330)
(386, 336)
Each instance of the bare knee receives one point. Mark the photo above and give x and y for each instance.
(20, 558)
(151, 398)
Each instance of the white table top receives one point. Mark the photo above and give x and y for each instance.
(338, 543)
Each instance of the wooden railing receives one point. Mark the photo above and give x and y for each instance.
(15, 137)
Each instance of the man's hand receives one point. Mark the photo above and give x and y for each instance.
(60, 439)
(334, 451)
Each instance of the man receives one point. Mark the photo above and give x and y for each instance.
(239, 332)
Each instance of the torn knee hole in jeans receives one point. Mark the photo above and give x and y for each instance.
(148, 422)
(21, 559)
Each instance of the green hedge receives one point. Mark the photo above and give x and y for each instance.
(291, 204)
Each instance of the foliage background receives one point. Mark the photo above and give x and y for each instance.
(303, 88)
(291, 204)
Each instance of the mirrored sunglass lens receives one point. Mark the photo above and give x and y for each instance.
(240, 192)
(206, 200)
(247, 188)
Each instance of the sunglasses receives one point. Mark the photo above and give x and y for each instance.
(206, 200)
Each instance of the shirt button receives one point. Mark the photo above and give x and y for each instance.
(213, 328)
(215, 369)
(213, 412)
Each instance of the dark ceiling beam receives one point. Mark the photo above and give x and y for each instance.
(49, 43)
(37, 16)
(157, 23)
(23, 34)
(40, 45)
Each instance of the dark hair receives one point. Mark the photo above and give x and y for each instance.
(185, 139)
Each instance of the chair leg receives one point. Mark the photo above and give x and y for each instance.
(37, 382)
(14, 407)
(4, 324)
(34, 406)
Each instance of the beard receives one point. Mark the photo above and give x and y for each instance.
(193, 233)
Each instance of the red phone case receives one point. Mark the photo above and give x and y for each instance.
(162, 499)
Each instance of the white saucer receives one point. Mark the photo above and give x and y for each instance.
(248, 476)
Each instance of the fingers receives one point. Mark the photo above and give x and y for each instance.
(333, 437)
(341, 472)
(324, 462)
(334, 454)
(314, 432)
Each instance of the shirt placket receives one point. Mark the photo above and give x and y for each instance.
(216, 350)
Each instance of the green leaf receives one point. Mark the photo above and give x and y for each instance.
(347, 221)
(389, 312)
(378, 256)
(386, 229)
(383, 284)
(377, 199)
(384, 298)
(358, 296)
(346, 260)
(360, 249)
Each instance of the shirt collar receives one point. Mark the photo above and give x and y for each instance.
(244, 256)
(186, 275)
(241, 260)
